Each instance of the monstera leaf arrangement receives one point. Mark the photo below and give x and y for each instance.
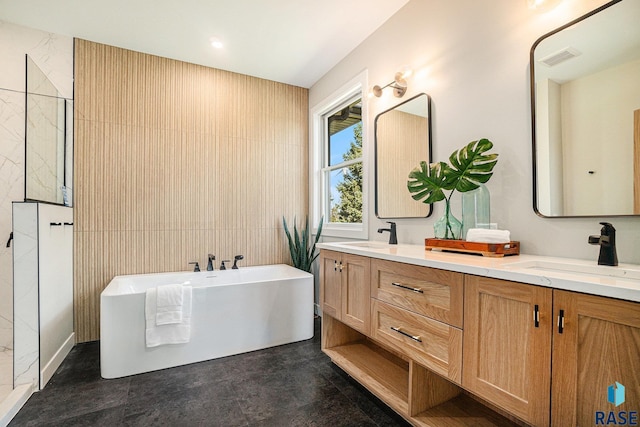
(469, 168)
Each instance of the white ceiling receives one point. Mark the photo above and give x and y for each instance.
(604, 40)
(289, 41)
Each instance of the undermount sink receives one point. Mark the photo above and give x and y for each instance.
(368, 245)
(625, 272)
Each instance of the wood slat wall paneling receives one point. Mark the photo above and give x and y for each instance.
(174, 161)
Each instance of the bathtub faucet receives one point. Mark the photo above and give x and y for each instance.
(235, 261)
(222, 266)
(210, 263)
(196, 267)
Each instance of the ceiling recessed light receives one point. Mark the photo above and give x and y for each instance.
(216, 42)
(542, 5)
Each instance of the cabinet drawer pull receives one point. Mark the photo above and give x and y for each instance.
(536, 316)
(561, 321)
(409, 288)
(55, 224)
(413, 337)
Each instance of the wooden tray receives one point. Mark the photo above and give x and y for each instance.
(484, 249)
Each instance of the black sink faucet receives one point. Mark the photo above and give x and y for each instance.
(607, 242)
(393, 238)
(235, 261)
(210, 262)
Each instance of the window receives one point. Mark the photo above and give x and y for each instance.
(342, 168)
(338, 187)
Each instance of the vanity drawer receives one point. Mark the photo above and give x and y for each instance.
(428, 291)
(433, 344)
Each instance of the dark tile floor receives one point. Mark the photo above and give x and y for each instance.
(290, 385)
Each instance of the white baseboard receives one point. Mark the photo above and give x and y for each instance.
(10, 406)
(50, 368)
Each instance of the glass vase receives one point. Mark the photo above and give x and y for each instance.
(447, 227)
(475, 209)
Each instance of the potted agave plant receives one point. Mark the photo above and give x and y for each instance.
(470, 167)
(300, 247)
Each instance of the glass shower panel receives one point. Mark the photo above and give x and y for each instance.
(46, 142)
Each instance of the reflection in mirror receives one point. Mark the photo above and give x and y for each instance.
(46, 138)
(403, 139)
(585, 89)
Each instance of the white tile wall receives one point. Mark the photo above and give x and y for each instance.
(54, 55)
(11, 188)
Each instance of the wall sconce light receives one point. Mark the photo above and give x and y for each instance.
(399, 85)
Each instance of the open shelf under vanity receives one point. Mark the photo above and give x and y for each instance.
(419, 395)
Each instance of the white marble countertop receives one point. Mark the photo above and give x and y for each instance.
(585, 276)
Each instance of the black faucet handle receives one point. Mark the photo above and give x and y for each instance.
(222, 266)
(196, 266)
(235, 261)
(594, 240)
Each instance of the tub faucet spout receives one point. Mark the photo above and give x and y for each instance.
(235, 261)
(607, 242)
(210, 262)
(196, 266)
(222, 266)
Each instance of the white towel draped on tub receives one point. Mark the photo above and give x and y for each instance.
(169, 305)
(160, 333)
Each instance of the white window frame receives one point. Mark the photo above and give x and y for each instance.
(318, 185)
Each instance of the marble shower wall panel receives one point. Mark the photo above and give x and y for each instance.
(26, 352)
(12, 113)
(52, 53)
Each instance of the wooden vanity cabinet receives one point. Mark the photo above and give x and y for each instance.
(596, 343)
(410, 345)
(514, 333)
(507, 346)
(415, 368)
(344, 288)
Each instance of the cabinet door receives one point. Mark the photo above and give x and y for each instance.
(596, 344)
(507, 346)
(330, 283)
(356, 274)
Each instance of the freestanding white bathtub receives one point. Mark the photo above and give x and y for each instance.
(233, 311)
